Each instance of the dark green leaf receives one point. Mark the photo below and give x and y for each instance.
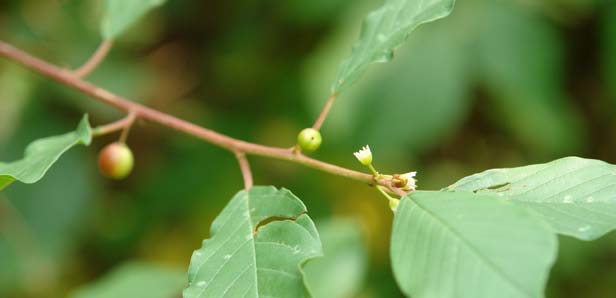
(609, 30)
(520, 61)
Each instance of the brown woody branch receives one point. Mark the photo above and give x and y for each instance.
(72, 80)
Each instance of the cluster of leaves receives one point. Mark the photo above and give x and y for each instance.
(492, 234)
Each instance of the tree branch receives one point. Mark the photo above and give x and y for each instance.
(234, 145)
(95, 60)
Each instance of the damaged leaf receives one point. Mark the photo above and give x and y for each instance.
(576, 196)
(257, 248)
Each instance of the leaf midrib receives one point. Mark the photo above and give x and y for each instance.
(473, 249)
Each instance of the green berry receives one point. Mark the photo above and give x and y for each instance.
(115, 161)
(309, 139)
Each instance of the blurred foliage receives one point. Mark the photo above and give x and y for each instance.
(341, 271)
(136, 280)
(498, 83)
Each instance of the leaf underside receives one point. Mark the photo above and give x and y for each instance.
(121, 14)
(447, 244)
(385, 29)
(41, 154)
(257, 247)
(576, 196)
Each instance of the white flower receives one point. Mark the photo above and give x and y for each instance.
(411, 183)
(364, 155)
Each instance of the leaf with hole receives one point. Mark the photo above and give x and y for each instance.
(576, 196)
(121, 14)
(385, 29)
(447, 244)
(257, 248)
(41, 154)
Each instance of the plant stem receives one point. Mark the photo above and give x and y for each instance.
(245, 168)
(130, 119)
(234, 145)
(328, 105)
(95, 60)
(113, 126)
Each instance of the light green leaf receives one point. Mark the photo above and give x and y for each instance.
(136, 279)
(257, 247)
(121, 14)
(447, 244)
(341, 271)
(385, 29)
(576, 196)
(41, 154)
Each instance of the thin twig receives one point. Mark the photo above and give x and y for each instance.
(114, 126)
(95, 59)
(245, 168)
(129, 123)
(218, 139)
(328, 105)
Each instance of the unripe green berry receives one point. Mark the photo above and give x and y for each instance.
(115, 160)
(309, 139)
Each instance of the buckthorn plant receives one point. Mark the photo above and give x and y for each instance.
(468, 149)
(116, 160)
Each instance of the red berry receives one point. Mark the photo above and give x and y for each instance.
(115, 160)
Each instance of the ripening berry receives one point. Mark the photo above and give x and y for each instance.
(115, 160)
(309, 139)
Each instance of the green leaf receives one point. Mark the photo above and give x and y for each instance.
(342, 269)
(385, 29)
(576, 196)
(41, 154)
(121, 14)
(447, 244)
(136, 280)
(257, 247)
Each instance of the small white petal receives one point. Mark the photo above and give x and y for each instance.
(364, 155)
(411, 183)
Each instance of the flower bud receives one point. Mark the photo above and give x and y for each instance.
(406, 181)
(364, 155)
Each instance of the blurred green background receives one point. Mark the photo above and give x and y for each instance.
(497, 84)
